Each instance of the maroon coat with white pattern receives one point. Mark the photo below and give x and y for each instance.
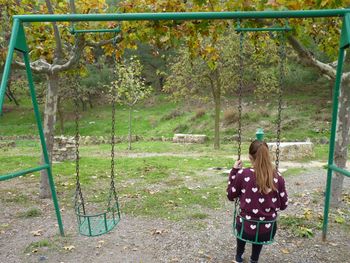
(255, 205)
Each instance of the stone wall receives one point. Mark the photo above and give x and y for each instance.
(7, 144)
(63, 149)
(189, 138)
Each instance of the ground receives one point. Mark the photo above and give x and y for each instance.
(138, 238)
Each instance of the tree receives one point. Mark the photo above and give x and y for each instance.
(53, 55)
(216, 72)
(171, 33)
(129, 86)
(324, 33)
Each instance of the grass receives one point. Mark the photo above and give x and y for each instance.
(302, 118)
(159, 186)
(293, 171)
(37, 244)
(299, 225)
(32, 212)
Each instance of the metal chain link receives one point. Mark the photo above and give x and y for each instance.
(282, 56)
(78, 192)
(112, 186)
(240, 90)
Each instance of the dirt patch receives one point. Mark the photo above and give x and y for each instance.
(141, 239)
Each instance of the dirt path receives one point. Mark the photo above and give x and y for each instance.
(139, 239)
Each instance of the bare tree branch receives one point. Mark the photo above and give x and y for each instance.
(308, 59)
(38, 66)
(74, 58)
(73, 9)
(103, 42)
(59, 49)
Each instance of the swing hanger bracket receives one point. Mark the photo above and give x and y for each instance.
(74, 31)
(285, 28)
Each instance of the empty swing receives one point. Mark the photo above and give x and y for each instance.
(239, 231)
(100, 223)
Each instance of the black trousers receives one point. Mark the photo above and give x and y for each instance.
(256, 249)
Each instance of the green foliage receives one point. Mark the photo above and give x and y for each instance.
(32, 212)
(129, 85)
(95, 78)
(38, 244)
(298, 225)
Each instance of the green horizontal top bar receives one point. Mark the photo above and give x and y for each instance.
(23, 172)
(183, 15)
(77, 31)
(339, 170)
(273, 29)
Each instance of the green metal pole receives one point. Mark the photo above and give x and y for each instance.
(23, 172)
(183, 15)
(340, 170)
(332, 140)
(42, 140)
(111, 30)
(8, 62)
(261, 29)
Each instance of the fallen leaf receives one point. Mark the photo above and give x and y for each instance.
(100, 243)
(157, 231)
(69, 248)
(36, 233)
(285, 251)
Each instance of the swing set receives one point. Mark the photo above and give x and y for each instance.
(92, 225)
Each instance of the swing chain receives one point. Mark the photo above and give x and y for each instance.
(282, 55)
(78, 192)
(240, 90)
(112, 185)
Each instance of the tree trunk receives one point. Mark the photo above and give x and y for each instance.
(342, 141)
(83, 104)
(217, 122)
(49, 127)
(216, 89)
(129, 147)
(60, 115)
(90, 101)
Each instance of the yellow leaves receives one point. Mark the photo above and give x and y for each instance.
(37, 233)
(324, 3)
(285, 251)
(69, 248)
(164, 39)
(308, 214)
(100, 243)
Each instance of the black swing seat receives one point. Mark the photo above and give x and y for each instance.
(97, 224)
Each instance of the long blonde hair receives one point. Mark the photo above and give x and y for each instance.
(263, 167)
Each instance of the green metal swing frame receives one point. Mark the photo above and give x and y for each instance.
(18, 43)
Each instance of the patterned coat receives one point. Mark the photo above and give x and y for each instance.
(255, 205)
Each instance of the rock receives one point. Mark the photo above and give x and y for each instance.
(324, 140)
(189, 138)
(292, 150)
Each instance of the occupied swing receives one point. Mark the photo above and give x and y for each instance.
(101, 223)
(282, 57)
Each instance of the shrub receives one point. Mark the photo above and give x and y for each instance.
(263, 112)
(153, 121)
(181, 128)
(172, 115)
(200, 112)
(230, 116)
